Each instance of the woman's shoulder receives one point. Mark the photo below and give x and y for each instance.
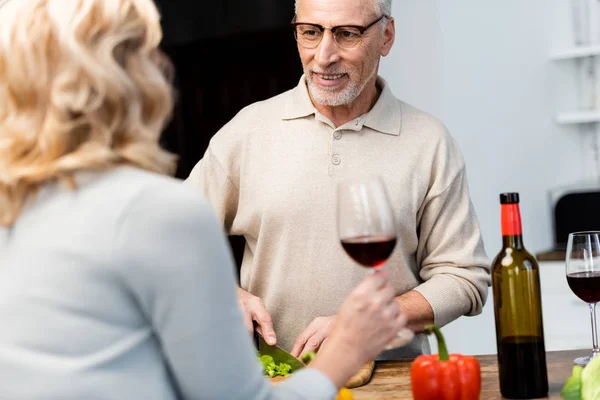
(157, 213)
(163, 218)
(153, 192)
(132, 196)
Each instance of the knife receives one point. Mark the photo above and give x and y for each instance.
(279, 355)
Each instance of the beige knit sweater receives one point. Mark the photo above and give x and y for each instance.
(271, 176)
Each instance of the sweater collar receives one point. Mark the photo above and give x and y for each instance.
(384, 117)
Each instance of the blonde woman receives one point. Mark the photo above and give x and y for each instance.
(116, 282)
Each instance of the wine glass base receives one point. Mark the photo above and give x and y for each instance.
(403, 337)
(583, 361)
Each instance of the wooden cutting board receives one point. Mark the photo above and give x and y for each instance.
(362, 377)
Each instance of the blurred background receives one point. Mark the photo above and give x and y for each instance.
(516, 82)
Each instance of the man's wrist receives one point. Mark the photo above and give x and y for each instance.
(417, 310)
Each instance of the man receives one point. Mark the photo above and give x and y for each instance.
(271, 175)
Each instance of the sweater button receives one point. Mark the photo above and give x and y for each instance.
(336, 160)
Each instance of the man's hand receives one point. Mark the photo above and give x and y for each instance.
(313, 336)
(412, 303)
(254, 309)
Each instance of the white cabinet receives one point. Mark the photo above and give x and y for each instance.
(566, 319)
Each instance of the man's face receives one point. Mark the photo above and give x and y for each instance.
(337, 76)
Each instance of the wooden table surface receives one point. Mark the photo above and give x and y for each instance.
(391, 379)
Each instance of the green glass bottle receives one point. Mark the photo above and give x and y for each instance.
(518, 311)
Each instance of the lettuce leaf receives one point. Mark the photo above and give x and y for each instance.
(273, 369)
(590, 380)
(308, 357)
(584, 383)
(572, 388)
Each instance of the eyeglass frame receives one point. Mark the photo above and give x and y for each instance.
(362, 29)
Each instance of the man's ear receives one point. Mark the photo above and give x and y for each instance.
(389, 35)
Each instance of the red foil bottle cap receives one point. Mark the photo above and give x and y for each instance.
(511, 214)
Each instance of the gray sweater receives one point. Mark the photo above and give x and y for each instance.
(124, 289)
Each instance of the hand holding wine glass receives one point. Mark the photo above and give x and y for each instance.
(367, 229)
(583, 276)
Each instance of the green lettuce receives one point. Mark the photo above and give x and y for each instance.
(590, 380)
(572, 388)
(273, 369)
(584, 383)
(308, 357)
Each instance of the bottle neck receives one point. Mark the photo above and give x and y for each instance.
(512, 233)
(514, 242)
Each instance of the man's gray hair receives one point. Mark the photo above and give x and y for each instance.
(380, 7)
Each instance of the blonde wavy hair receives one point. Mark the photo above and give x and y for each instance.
(83, 86)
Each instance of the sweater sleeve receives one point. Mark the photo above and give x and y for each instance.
(454, 266)
(171, 251)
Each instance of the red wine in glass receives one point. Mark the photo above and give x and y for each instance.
(585, 285)
(583, 276)
(370, 251)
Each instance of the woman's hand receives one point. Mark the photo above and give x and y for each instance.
(370, 318)
(367, 322)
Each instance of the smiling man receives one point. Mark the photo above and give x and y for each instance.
(271, 175)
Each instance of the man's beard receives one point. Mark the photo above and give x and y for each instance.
(330, 96)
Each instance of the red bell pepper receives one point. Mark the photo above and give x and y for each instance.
(443, 377)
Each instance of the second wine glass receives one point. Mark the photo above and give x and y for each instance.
(583, 276)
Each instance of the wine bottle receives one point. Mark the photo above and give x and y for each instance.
(518, 311)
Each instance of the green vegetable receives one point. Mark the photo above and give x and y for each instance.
(572, 388)
(308, 357)
(273, 369)
(584, 383)
(590, 380)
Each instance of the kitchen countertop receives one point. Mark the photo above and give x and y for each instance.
(391, 379)
(551, 255)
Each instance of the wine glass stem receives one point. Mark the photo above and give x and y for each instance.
(595, 349)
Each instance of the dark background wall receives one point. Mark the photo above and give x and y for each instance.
(189, 20)
(227, 54)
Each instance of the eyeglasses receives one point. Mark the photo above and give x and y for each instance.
(346, 36)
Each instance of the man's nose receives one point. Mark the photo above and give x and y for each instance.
(327, 51)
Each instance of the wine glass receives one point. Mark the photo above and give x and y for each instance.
(367, 229)
(366, 225)
(583, 276)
